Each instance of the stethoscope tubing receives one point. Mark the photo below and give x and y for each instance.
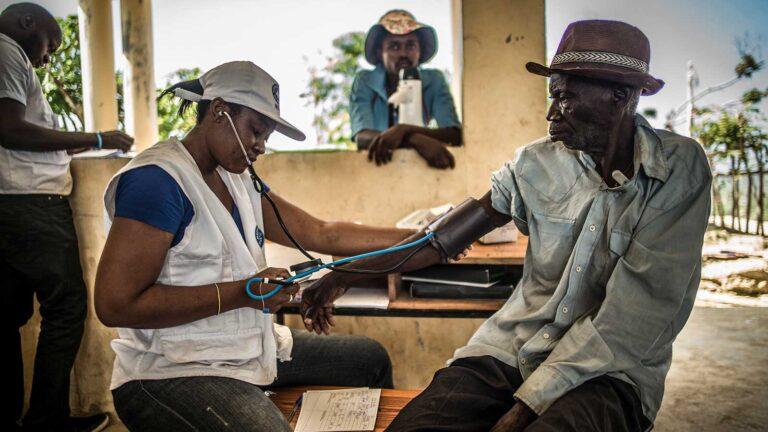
(298, 276)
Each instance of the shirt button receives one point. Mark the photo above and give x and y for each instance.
(522, 361)
(565, 309)
(545, 335)
(578, 269)
(592, 228)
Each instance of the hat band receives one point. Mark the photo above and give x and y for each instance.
(601, 57)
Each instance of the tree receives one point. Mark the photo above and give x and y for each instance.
(170, 123)
(737, 137)
(748, 65)
(60, 79)
(63, 87)
(329, 88)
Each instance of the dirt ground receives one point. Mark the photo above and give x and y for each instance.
(719, 375)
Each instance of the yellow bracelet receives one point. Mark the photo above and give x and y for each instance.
(218, 297)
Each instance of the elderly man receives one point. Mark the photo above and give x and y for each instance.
(395, 43)
(38, 246)
(616, 213)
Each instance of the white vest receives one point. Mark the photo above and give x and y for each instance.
(241, 344)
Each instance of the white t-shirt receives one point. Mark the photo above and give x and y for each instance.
(27, 172)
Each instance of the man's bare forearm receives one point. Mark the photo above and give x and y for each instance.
(450, 135)
(30, 137)
(425, 257)
(365, 137)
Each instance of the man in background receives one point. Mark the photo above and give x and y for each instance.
(38, 246)
(395, 43)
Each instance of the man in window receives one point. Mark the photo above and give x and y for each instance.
(398, 42)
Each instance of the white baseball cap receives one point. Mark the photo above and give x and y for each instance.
(244, 83)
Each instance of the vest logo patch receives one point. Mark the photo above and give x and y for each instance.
(260, 237)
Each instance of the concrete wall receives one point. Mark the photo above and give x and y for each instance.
(503, 108)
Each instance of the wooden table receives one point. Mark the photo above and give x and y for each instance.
(392, 401)
(499, 254)
(401, 304)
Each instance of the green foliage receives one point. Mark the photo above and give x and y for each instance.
(62, 84)
(170, 122)
(753, 96)
(329, 88)
(650, 113)
(737, 132)
(748, 66)
(61, 80)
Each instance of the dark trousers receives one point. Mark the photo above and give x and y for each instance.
(39, 257)
(208, 403)
(474, 393)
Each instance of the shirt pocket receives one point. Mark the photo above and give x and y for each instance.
(618, 243)
(57, 158)
(551, 242)
(185, 270)
(231, 347)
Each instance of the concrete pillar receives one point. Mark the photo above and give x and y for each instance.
(458, 54)
(98, 65)
(140, 104)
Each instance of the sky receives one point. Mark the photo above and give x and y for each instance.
(702, 31)
(286, 37)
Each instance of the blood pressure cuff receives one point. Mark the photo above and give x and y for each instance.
(458, 228)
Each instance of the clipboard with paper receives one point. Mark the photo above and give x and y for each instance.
(339, 410)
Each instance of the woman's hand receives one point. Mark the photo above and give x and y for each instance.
(317, 303)
(277, 301)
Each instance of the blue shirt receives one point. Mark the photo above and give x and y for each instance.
(368, 108)
(611, 273)
(150, 195)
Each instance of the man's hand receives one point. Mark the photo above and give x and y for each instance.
(516, 419)
(116, 140)
(384, 145)
(433, 151)
(317, 303)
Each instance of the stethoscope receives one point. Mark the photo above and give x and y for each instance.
(303, 270)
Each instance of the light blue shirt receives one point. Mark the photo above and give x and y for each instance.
(368, 100)
(610, 274)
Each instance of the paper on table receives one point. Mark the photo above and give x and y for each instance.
(363, 298)
(339, 410)
(97, 154)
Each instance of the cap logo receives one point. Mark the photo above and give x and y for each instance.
(601, 57)
(276, 95)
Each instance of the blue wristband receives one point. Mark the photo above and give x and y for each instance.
(101, 141)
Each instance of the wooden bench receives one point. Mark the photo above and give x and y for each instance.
(392, 401)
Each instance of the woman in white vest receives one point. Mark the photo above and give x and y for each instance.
(187, 229)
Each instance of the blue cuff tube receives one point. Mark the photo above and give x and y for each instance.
(101, 140)
(305, 273)
(280, 285)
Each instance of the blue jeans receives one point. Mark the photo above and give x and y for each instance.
(225, 404)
